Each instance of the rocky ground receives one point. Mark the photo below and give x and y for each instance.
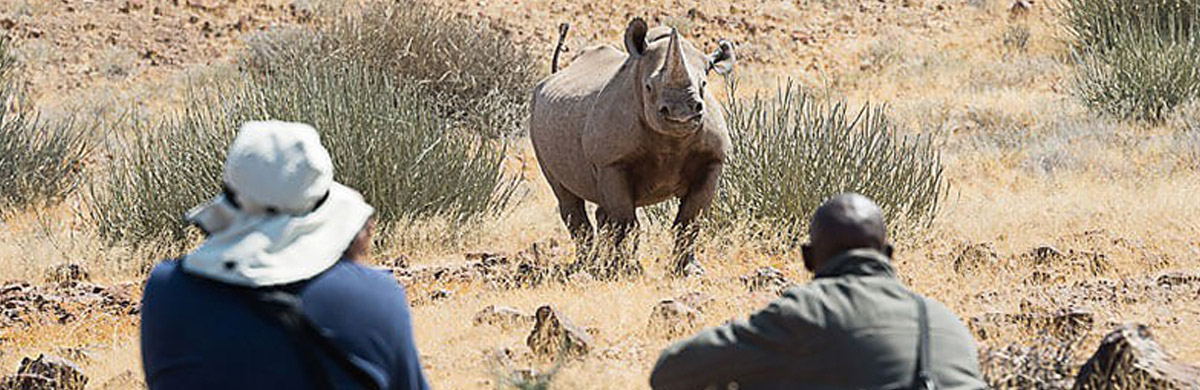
(1044, 245)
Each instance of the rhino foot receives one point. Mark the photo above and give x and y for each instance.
(688, 267)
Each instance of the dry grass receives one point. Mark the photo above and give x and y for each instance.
(1027, 167)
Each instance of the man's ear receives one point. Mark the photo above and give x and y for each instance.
(635, 37)
(723, 59)
(806, 253)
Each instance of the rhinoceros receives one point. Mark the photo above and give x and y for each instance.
(627, 129)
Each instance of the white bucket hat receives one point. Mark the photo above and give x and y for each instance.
(282, 218)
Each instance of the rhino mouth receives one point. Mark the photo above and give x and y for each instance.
(688, 120)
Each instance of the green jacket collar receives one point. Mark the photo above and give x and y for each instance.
(857, 262)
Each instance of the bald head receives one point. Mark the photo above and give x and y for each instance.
(844, 222)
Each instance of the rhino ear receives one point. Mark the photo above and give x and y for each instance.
(635, 37)
(723, 59)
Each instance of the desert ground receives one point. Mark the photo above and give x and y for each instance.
(1054, 217)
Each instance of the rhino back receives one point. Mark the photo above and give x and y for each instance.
(561, 104)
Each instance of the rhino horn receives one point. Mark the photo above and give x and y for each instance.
(674, 67)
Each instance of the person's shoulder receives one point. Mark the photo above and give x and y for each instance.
(351, 278)
(362, 273)
(164, 272)
(939, 312)
(805, 302)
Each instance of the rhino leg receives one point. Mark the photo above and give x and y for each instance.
(574, 216)
(695, 201)
(617, 217)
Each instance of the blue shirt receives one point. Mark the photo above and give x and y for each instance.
(201, 334)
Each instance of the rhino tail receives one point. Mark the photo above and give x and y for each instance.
(561, 47)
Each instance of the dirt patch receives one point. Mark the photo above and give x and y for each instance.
(70, 45)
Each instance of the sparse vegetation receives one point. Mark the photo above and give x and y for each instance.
(385, 136)
(474, 74)
(40, 161)
(793, 151)
(1135, 59)
(1031, 172)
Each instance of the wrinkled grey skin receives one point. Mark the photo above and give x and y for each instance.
(631, 129)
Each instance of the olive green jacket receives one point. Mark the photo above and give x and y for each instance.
(853, 327)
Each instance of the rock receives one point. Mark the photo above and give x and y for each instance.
(975, 257)
(68, 272)
(28, 382)
(61, 373)
(767, 278)
(76, 354)
(303, 10)
(1130, 358)
(503, 317)
(673, 318)
(553, 335)
(1020, 8)
(441, 294)
(1064, 325)
(401, 261)
(695, 300)
(1045, 254)
(125, 380)
(1177, 278)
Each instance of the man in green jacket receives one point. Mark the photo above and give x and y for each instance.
(855, 326)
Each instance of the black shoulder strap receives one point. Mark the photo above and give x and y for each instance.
(923, 379)
(286, 308)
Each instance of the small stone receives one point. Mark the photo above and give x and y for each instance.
(767, 278)
(673, 318)
(503, 317)
(553, 335)
(441, 294)
(975, 257)
(1020, 8)
(1046, 254)
(695, 300)
(125, 380)
(66, 374)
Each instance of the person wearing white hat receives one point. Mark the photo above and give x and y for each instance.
(273, 297)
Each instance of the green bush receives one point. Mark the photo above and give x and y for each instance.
(385, 138)
(476, 75)
(1136, 59)
(1144, 77)
(791, 152)
(1104, 23)
(40, 161)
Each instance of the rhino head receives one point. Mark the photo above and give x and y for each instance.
(672, 74)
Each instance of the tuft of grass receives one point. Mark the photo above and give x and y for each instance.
(385, 138)
(40, 161)
(791, 152)
(474, 73)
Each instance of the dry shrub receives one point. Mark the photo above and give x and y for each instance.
(792, 151)
(40, 160)
(476, 75)
(1136, 59)
(384, 135)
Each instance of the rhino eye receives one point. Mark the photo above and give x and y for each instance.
(647, 87)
